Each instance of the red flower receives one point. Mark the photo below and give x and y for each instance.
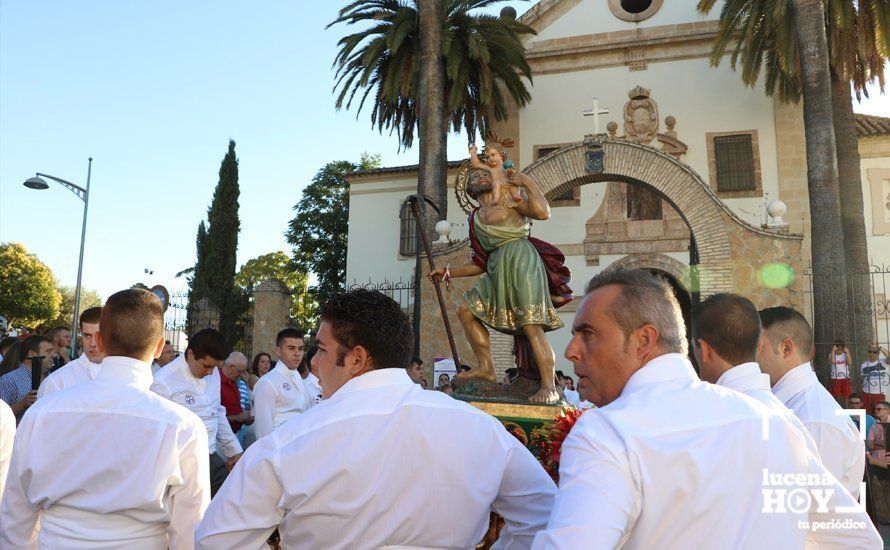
(546, 441)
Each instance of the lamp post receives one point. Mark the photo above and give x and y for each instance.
(38, 183)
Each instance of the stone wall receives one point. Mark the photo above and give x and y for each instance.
(271, 313)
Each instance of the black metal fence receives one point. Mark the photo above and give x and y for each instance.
(874, 283)
(402, 292)
(184, 318)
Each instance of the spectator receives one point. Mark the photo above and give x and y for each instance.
(262, 363)
(560, 380)
(5, 343)
(875, 377)
(424, 384)
(230, 394)
(446, 388)
(193, 381)
(877, 446)
(15, 386)
(282, 394)
(855, 402)
(570, 384)
(786, 346)
(61, 338)
(840, 360)
(443, 379)
(572, 396)
(415, 369)
(167, 356)
(85, 367)
(106, 463)
(350, 457)
(510, 375)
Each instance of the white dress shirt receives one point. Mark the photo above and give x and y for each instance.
(7, 435)
(748, 379)
(277, 397)
(106, 464)
(381, 463)
(678, 463)
(73, 372)
(572, 397)
(201, 396)
(314, 387)
(840, 445)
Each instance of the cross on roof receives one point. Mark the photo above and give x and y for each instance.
(595, 113)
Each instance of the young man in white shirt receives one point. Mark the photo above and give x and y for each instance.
(784, 356)
(193, 381)
(666, 460)
(726, 339)
(84, 367)
(875, 378)
(380, 462)
(107, 463)
(281, 394)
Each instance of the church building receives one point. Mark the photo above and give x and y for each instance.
(651, 158)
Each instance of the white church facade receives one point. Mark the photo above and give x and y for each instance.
(695, 167)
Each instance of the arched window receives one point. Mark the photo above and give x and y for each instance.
(407, 231)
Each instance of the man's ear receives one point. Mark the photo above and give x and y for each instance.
(646, 339)
(361, 361)
(707, 352)
(100, 343)
(159, 347)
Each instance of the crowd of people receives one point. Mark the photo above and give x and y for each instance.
(132, 445)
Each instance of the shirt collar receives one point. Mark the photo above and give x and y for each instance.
(126, 369)
(374, 379)
(311, 378)
(670, 366)
(795, 381)
(744, 377)
(283, 370)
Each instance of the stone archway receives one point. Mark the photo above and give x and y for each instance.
(724, 243)
(660, 262)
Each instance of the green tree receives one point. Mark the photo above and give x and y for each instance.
(28, 294)
(854, 38)
(88, 298)
(318, 231)
(217, 248)
(277, 265)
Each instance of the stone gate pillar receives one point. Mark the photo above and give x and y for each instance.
(271, 313)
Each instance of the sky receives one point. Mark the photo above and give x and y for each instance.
(153, 91)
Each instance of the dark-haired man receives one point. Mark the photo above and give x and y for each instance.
(666, 460)
(785, 356)
(415, 370)
(354, 471)
(281, 393)
(193, 381)
(15, 385)
(84, 367)
(107, 463)
(167, 357)
(726, 337)
(61, 338)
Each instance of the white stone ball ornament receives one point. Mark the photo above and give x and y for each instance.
(776, 209)
(443, 229)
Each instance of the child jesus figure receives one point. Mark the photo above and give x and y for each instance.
(500, 176)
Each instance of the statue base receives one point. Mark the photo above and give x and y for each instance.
(517, 393)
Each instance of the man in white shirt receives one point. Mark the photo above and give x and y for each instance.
(875, 378)
(84, 367)
(167, 356)
(380, 462)
(313, 385)
(107, 463)
(726, 339)
(281, 394)
(784, 356)
(193, 381)
(7, 435)
(666, 460)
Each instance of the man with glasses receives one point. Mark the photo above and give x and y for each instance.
(877, 447)
(193, 381)
(230, 394)
(875, 377)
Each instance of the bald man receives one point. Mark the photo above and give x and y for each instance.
(230, 395)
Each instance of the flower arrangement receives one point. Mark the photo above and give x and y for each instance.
(546, 442)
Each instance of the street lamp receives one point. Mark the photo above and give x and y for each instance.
(38, 183)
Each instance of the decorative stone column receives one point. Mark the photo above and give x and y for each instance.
(271, 313)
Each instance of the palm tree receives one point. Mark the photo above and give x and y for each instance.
(483, 57)
(767, 38)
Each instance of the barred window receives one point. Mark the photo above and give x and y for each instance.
(566, 195)
(407, 231)
(734, 158)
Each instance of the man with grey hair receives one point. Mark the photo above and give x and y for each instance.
(230, 394)
(667, 459)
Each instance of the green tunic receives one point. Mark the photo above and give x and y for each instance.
(513, 292)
